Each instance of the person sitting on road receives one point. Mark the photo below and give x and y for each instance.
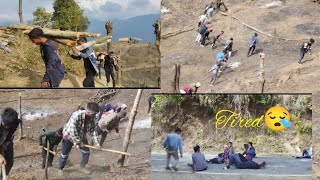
(231, 149)
(306, 154)
(221, 158)
(249, 152)
(198, 160)
(235, 159)
(254, 149)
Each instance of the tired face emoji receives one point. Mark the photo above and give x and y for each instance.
(277, 118)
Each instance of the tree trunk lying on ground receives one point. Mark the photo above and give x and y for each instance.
(55, 32)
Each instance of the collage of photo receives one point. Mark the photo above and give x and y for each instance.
(159, 89)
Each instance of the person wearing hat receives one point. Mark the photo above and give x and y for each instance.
(189, 89)
(306, 47)
(54, 67)
(75, 132)
(108, 123)
(54, 138)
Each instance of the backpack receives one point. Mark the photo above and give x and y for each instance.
(202, 30)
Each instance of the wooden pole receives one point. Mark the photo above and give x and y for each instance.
(21, 22)
(262, 79)
(109, 28)
(130, 126)
(20, 12)
(47, 159)
(108, 150)
(53, 153)
(119, 72)
(174, 87)
(178, 79)
(20, 117)
(3, 168)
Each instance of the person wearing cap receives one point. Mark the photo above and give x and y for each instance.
(75, 132)
(9, 122)
(189, 89)
(108, 123)
(54, 67)
(54, 138)
(306, 47)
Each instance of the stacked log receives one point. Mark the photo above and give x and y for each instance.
(6, 39)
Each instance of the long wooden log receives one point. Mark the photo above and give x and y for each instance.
(130, 126)
(108, 150)
(91, 43)
(257, 30)
(54, 32)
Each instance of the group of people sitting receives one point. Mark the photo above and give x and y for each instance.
(228, 157)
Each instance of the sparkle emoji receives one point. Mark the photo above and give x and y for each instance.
(277, 118)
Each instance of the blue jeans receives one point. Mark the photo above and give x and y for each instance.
(65, 150)
(235, 159)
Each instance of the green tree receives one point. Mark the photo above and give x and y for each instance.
(41, 18)
(67, 15)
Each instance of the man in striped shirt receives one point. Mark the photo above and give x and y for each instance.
(75, 133)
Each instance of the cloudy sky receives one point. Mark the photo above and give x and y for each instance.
(93, 9)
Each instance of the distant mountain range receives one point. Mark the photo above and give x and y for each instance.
(139, 26)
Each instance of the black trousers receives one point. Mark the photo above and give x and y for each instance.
(89, 80)
(44, 156)
(253, 47)
(108, 75)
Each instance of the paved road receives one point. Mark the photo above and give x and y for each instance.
(283, 168)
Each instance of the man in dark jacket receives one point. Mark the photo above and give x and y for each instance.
(54, 138)
(90, 62)
(305, 48)
(109, 65)
(54, 67)
(9, 123)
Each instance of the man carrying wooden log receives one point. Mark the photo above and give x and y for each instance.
(109, 66)
(108, 123)
(91, 64)
(54, 67)
(54, 138)
(75, 133)
(9, 122)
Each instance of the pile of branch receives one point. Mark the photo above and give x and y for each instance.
(6, 39)
(67, 38)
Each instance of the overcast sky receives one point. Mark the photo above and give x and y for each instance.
(93, 9)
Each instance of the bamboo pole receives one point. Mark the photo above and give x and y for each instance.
(130, 126)
(47, 159)
(108, 150)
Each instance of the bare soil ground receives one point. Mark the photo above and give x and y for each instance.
(53, 108)
(316, 136)
(291, 20)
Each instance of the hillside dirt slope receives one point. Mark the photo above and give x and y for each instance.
(50, 109)
(290, 20)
